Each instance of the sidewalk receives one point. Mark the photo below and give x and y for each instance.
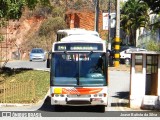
(121, 67)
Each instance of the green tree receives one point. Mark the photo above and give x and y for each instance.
(154, 5)
(134, 14)
(12, 9)
(33, 3)
(51, 25)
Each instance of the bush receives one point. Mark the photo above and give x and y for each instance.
(153, 46)
(51, 25)
(42, 11)
(58, 12)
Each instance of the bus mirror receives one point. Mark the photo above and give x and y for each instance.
(48, 63)
(48, 60)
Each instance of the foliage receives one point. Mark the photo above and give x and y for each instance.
(12, 9)
(154, 5)
(45, 36)
(80, 4)
(1, 38)
(51, 25)
(40, 78)
(153, 46)
(58, 12)
(134, 14)
(42, 11)
(33, 3)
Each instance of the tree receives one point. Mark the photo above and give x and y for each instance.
(134, 14)
(154, 5)
(12, 9)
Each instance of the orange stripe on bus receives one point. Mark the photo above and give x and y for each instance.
(81, 90)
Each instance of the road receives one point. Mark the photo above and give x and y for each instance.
(27, 64)
(117, 101)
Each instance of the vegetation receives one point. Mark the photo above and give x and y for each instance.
(153, 46)
(154, 5)
(134, 15)
(13, 9)
(54, 20)
(40, 78)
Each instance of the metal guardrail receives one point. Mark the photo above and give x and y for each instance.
(3, 63)
(17, 92)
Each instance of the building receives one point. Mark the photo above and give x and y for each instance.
(145, 80)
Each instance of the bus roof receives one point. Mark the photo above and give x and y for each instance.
(77, 31)
(82, 38)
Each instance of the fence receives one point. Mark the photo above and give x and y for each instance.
(17, 92)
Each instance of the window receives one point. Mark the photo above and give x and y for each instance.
(152, 63)
(138, 63)
(79, 69)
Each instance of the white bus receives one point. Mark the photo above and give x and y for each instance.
(79, 72)
(75, 31)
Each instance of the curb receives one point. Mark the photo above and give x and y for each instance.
(119, 70)
(14, 105)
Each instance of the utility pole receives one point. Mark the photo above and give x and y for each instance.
(117, 38)
(96, 15)
(109, 26)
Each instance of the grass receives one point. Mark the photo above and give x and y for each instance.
(40, 78)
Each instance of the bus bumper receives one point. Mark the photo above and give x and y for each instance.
(78, 101)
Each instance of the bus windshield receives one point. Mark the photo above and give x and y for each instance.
(78, 69)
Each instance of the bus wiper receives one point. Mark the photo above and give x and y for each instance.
(77, 78)
(66, 52)
(90, 53)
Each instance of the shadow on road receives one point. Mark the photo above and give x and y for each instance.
(51, 108)
(9, 71)
(123, 99)
(122, 95)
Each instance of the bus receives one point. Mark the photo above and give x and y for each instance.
(75, 31)
(79, 72)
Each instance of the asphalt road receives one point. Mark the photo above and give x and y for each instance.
(27, 64)
(117, 97)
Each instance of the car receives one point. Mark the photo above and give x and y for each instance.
(37, 54)
(126, 58)
(110, 57)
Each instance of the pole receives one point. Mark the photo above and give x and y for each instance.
(96, 15)
(117, 38)
(109, 26)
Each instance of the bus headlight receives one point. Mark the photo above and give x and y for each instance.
(95, 95)
(100, 95)
(56, 95)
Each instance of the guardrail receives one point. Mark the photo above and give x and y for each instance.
(17, 92)
(3, 63)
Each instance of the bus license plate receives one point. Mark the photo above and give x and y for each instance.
(96, 99)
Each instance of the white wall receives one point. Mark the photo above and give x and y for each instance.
(138, 81)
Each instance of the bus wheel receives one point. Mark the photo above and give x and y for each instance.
(101, 108)
(58, 108)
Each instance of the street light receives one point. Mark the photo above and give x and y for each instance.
(96, 15)
(109, 26)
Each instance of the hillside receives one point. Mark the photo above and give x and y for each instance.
(20, 34)
(16, 33)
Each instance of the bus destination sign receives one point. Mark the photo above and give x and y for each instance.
(79, 47)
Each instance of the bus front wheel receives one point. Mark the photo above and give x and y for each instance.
(101, 108)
